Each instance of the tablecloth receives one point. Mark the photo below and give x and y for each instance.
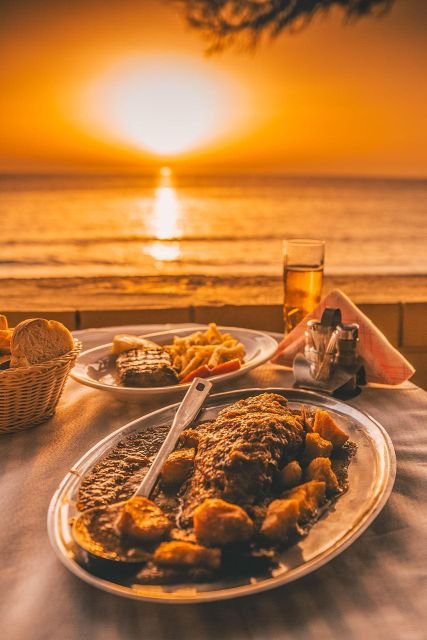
(376, 589)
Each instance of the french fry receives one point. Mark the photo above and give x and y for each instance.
(200, 348)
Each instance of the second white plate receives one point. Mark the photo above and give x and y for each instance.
(95, 367)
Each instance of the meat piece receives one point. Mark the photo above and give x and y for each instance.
(316, 447)
(290, 475)
(281, 519)
(187, 554)
(217, 522)
(143, 520)
(309, 496)
(321, 469)
(146, 367)
(326, 426)
(239, 453)
(178, 466)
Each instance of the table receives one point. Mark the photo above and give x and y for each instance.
(375, 589)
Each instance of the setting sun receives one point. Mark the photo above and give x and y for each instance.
(164, 106)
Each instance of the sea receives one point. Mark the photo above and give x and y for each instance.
(221, 225)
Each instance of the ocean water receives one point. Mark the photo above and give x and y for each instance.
(213, 225)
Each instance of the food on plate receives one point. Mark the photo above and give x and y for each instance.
(125, 342)
(4, 325)
(281, 520)
(142, 363)
(217, 522)
(291, 474)
(211, 348)
(238, 453)
(316, 446)
(321, 469)
(178, 466)
(37, 340)
(147, 366)
(143, 520)
(309, 496)
(206, 372)
(325, 425)
(236, 491)
(186, 554)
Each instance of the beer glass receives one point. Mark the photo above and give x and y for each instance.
(303, 279)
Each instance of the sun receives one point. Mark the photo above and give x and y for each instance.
(163, 105)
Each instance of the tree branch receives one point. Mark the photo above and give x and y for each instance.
(228, 22)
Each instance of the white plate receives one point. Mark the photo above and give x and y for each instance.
(95, 367)
(371, 476)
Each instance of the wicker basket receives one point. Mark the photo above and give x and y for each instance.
(29, 396)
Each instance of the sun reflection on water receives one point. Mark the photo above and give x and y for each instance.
(165, 220)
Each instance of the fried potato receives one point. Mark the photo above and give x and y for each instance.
(326, 426)
(209, 348)
(143, 520)
(309, 496)
(321, 469)
(217, 522)
(316, 447)
(186, 554)
(281, 519)
(178, 466)
(290, 475)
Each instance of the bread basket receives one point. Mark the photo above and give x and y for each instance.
(29, 395)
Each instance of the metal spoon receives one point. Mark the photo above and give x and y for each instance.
(107, 545)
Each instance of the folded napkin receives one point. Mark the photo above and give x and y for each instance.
(383, 363)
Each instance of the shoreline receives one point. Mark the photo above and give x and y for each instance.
(134, 292)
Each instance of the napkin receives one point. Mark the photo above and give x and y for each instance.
(383, 363)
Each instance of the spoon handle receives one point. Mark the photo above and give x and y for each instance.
(187, 411)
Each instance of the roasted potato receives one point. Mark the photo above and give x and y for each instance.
(290, 475)
(187, 554)
(178, 466)
(316, 447)
(143, 520)
(282, 517)
(309, 496)
(217, 522)
(321, 469)
(326, 426)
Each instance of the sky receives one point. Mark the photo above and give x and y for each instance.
(95, 85)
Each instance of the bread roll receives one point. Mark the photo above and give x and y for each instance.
(37, 340)
(5, 338)
(3, 322)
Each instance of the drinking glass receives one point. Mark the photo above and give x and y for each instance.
(303, 279)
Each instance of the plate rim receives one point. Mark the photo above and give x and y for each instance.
(170, 389)
(244, 590)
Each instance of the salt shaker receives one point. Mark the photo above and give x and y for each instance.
(347, 339)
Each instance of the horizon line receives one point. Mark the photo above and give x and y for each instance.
(193, 172)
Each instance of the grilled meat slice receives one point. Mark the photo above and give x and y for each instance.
(150, 366)
(239, 453)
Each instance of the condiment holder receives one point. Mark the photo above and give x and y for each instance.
(330, 362)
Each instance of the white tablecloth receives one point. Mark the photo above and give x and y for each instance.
(376, 589)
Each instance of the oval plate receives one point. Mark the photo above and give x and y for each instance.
(95, 367)
(371, 477)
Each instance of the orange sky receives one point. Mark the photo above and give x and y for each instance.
(334, 99)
